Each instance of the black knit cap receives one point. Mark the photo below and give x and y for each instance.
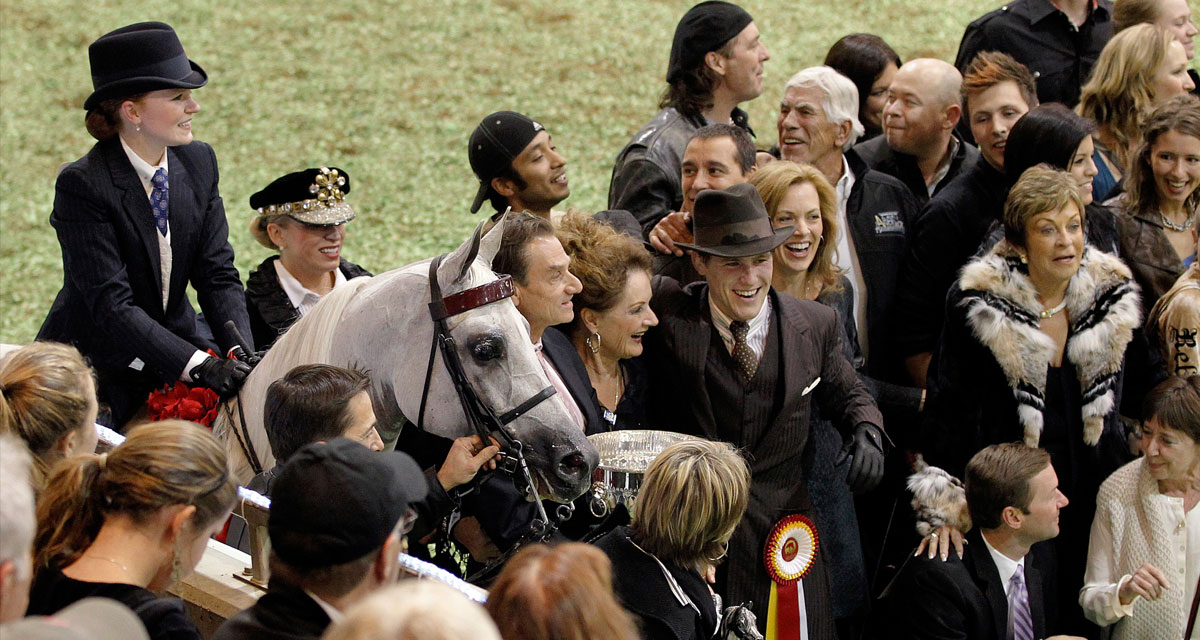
(337, 501)
(705, 27)
(140, 57)
(499, 138)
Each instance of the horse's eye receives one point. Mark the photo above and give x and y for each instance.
(488, 348)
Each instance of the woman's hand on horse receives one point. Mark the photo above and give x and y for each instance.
(466, 457)
(938, 542)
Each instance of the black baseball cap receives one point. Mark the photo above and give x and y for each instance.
(337, 501)
(705, 27)
(499, 138)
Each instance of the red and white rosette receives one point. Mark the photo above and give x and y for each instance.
(790, 549)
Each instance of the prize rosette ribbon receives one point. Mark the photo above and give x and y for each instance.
(788, 554)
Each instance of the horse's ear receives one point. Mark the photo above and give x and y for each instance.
(455, 266)
(490, 244)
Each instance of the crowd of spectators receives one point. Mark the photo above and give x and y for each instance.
(983, 270)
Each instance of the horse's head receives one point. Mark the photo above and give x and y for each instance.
(497, 355)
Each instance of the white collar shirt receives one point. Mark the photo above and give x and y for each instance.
(301, 297)
(1004, 564)
(847, 259)
(756, 336)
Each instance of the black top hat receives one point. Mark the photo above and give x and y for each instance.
(499, 138)
(138, 58)
(733, 223)
(337, 501)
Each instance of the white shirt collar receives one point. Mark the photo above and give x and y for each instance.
(144, 169)
(1004, 564)
(333, 613)
(757, 323)
(297, 293)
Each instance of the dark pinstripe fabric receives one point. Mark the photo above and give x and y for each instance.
(803, 344)
(110, 305)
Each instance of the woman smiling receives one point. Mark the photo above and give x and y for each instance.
(1144, 556)
(1162, 198)
(302, 215)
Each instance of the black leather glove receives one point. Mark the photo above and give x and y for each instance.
(251, 359)
(865, 451)
(222, 375)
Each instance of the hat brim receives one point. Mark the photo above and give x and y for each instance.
(485, 190)
(141, 84)
(754, 247)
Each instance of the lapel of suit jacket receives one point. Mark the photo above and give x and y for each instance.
(136, 206)
(1033, 585)
(793, 329)
(693, 339)
(184, 223)
(987, 576)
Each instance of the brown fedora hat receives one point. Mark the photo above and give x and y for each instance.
(733, 223)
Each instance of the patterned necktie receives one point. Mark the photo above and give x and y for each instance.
(1020, 623)
(158, 200)
(742, 353)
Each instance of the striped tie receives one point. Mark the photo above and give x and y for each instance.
(158, 199)
(1020, 623)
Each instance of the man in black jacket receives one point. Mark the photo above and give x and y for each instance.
(918, 146)
(998, 588)
(998, 91)
(339, 514)
(716, 64)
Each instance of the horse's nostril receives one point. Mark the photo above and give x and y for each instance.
(573, 464)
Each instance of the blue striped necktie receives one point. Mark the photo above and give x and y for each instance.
(1020, 622)
(158, 199)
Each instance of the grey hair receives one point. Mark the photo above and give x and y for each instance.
(840, 101)
(17, 520)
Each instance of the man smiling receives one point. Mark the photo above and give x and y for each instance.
(733, 360)
(518, 165)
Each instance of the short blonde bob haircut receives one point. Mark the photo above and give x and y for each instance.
(773, 182)
(691, 500)
(1040, 189)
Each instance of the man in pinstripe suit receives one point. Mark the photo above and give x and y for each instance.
(734, 360)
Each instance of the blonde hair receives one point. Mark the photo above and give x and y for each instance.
(160, 464)
(561, 592)
(773, 182)
(415, 610)
(44, 397)
(1117, 94)
(692, 498)
(16, 509)
(1040, 189)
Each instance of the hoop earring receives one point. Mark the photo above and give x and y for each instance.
(595, 348)
(724, 552)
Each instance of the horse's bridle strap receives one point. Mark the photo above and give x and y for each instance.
(532, 402)
(473, 298)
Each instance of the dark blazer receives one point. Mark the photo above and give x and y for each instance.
(960, 599)
(110, 306)
(284, 613)
(808, 334)
(566, 361)
(271, 311)
(881, 157)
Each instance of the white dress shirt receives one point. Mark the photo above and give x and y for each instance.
(1004, 564)
(847, 258)
(301, 297)
(756, 337)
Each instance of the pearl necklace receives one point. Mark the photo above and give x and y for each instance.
(1050, 313)
(1186, 225)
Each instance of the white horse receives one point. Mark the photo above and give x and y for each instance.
(382, 325)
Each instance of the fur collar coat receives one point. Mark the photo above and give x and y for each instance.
(1003, 314)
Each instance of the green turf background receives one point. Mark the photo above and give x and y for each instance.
(388, 90)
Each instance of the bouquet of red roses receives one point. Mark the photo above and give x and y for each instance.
(197, 404)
